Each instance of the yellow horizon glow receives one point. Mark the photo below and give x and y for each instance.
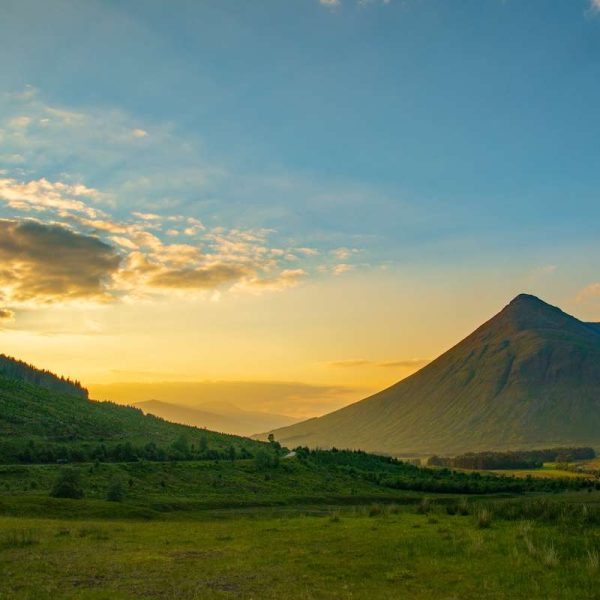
(334, 332)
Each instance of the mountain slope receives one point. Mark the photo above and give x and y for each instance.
(215, 416)
(13, 368)
(31, 414)
(529, 377)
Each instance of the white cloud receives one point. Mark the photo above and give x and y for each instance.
(589, 292)
(342, 268)
(19, 122)
(42, 195)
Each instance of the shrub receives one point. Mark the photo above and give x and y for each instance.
(265, 460)
(451, 509)
(68, 485)
(116, 490)
(375, 510)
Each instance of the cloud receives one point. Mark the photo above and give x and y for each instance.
(139, 214)
(285, 279)
(358, 362)
(42, 195)
(83, 252)
(6, 314)
(19, 122)
(208, 277)
(342, 268)
(344, 253)
(50, 263)
(410, 363)
(330, 2)
(595, 5)
(590, 291)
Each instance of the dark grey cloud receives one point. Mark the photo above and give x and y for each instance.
(50, 263)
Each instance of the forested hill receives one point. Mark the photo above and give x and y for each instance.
(11, 368)
(42, 425)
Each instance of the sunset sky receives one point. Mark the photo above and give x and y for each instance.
(310, 199)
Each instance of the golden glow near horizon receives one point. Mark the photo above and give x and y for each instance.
(331, 341)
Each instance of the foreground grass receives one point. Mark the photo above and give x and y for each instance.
(359, 553)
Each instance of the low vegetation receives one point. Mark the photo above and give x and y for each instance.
(383, 551)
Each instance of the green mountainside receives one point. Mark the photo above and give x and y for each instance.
(17, 369)
(527, 378)
(49, 425)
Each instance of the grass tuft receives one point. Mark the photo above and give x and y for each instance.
(484, 518)
(549, 556)
(593, 561)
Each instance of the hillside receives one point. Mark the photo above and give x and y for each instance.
(44, 422)
(527, 378)
(12, 368)
(218, 416)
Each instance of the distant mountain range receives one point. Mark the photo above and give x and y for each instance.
(527, 378)
(217, 416)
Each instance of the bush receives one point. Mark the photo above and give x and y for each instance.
(116, 490)
(68, 485)
(265, 460)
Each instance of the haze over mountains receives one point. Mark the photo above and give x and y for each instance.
(217, 416)
(529, 377)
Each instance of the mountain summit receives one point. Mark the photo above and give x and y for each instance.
(529, 377)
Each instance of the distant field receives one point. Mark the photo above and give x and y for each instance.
(359, 553)
(549, 470)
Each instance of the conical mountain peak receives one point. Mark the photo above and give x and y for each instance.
(528, 377)
(528, 313)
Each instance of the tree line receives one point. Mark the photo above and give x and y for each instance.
(12, 368)
(395, 474)
(517, 459)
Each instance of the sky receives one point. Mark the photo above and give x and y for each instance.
(308, 198)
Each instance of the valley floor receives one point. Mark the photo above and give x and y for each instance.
(372, 552)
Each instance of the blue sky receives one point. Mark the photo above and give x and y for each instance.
(483, 112)
(442, 142)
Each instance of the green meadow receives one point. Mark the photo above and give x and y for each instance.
(469, 549)
(326, 526)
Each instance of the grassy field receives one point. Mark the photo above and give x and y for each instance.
(366, 552)
(331, 525)
(549, 470)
